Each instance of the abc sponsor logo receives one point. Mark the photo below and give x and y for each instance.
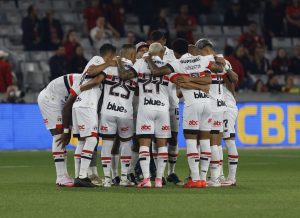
(165, 128)
(104, 128)
(145, 127)
(193, 123)
(114, 107)
(81, 127)
(150, 101)
(217, 123)
(124, 129)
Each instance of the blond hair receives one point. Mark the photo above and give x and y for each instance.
(155, 48)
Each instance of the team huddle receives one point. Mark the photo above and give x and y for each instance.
(130, 100)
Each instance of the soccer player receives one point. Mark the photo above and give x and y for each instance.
(192, 72)
(230, 117)
(218, 108)
(117, 114)
(158, 36)
(51, 101)
(85, 116)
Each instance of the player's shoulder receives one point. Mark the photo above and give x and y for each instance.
(97, 60)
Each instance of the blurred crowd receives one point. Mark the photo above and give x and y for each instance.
(105, 21)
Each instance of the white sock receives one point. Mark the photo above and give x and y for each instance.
(115, 158)
(233, 158)
(154, 152)
(59, 157)
(221, 160)
(173, 154)
(93, 165)
(133, 162)
(144, 156)
(77, 157)
(193, 158)
(125, 158)
(106, 157)
(66, 163)
(162, 158)
(86, 156)
(214, 163)
(205, 157)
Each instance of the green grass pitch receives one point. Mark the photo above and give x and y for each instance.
(268, 186)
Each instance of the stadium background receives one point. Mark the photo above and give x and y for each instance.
(266, 118)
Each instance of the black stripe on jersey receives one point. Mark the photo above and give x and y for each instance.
(110, 136)
(147, 136)
(85, 157)
(142, 80)
(59, 160)
(67, 83)
(233, 163)
(133, 70)
(217, 82)
(170, 67)
(190, 131)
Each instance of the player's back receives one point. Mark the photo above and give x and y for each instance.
(153, 90)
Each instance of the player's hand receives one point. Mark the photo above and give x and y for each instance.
(205, 88)
(220, 60)
(184, 79)
(148, 57)
(64, 140)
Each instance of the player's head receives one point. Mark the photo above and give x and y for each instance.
(128, 51)
(156, 49)
(180, 47)
(252, 26)
(141, 49)
(193, 50)
(107, 51)
(158, 36)
(205, 46)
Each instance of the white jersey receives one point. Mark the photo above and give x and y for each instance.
(58, 89)
(194, 66)
(89, 98)
(118, 94)
(153, 90)
(216, 88)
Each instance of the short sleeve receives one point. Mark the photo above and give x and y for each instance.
(137, 66)
(207, 61)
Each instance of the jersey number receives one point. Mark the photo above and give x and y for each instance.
(155, 80)
(120, 84)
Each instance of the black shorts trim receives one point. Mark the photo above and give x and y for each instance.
(110, 136)
(191, 131)
(147, 136)
(214, 131)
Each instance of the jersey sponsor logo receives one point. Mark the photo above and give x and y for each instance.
(150, 101)
(104, 128)
(190, 60)
(114, 107)
(220, 103)
(200, 95)
(193, 123)
(165, 128)
(124, 129)
(146, 127)
(81, 127)
(217, 123)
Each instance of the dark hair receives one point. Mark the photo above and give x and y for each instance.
(228, 50)
(30, 8)
(128, 46)
(157, 35)
(107, 48)
(180, 46)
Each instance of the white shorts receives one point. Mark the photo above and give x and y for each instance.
(230, 117)
(217, 105)
(217, 121)
(85, 122)
(153, 123)
(197, 117)
(52, 113)
(174, 118)
(111, 125)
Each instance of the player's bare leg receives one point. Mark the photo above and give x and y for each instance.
(93, 170)
(107, 144)
(115, 158)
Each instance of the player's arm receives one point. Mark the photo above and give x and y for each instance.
(229, 85)
(232, 76)
(195, 86)
(95, 70)
(123, 73)
(158, 71)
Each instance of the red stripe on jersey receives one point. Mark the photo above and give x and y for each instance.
(208, 153)
(87, 151)
(143, 152)
(125, 157)
(140, 75)
(71, 79)
(59, 126)
(233, 156)
(109, 76)
(166, 78)
(72, 92)
(95, 134)
(163, 154)
(105, 158)
(209, 64)
(192, 154)
(202, 74)
(58, 153)
(77, 155)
